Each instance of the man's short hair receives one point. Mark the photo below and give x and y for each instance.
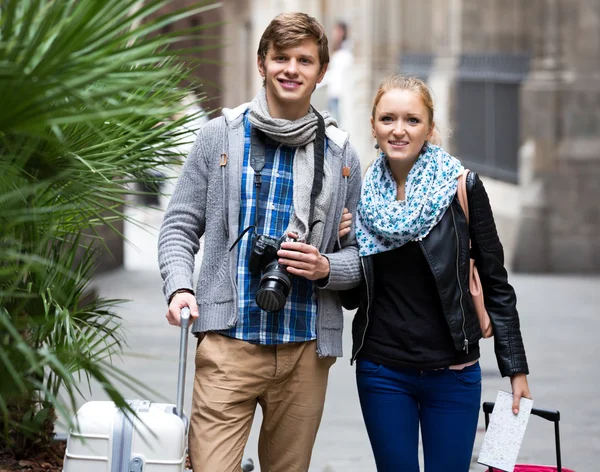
(289, 29)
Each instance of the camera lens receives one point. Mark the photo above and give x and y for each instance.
(274, 287)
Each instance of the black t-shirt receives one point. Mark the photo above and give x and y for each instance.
(407, 326)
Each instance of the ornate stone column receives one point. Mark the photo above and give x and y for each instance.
(540, 108)
(238, 53)
(573, 186)
(447, 22)
(560, 162)
(360, 14)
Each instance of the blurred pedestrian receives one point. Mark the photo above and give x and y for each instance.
(416, 332)
(267, 315)
(339, 73)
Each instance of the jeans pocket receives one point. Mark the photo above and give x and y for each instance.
(469, 376)
(366, 367)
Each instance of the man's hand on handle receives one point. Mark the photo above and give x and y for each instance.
(180, 300)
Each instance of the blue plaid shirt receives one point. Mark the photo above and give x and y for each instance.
(296, 322)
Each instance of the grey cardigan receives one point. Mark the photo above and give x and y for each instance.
(206, 202)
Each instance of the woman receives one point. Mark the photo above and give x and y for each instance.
(416, 333)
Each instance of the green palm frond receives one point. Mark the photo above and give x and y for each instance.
(89, 91)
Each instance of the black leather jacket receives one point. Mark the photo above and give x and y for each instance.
(446, 249)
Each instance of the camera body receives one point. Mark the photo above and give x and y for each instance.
(275, 282)
(264, 250)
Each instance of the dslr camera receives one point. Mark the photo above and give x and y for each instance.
(275, 282)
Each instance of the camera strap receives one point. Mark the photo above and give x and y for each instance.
(257, 162)
(318, 170)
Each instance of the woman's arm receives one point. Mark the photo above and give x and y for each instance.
(499, 295)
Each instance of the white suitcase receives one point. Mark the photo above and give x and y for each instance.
(106, 439)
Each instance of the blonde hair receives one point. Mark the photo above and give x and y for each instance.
(288, 29)
(414, 84)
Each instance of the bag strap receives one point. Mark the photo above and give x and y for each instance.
(319, 172)
(461, 191)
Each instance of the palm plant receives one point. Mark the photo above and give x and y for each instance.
(87, 92)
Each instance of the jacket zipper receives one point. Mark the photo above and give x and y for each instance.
(462, 309)
(362, 342)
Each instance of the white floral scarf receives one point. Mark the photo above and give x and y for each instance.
(384, 223)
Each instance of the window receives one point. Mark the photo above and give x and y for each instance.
(487, 116)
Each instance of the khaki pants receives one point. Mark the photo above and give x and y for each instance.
(232, 377)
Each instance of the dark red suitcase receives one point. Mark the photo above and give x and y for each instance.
(550, 415)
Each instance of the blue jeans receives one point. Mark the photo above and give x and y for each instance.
(445, 403)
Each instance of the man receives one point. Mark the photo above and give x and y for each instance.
(247, 183)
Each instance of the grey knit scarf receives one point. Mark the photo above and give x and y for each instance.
(300, 134)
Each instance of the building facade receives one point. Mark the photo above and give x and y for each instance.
(516, 85)
(206, 46)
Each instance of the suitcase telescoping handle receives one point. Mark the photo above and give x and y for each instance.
(550, 415)
(183, 343)
(247, 465)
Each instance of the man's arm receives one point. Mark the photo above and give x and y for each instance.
(184, 223)
(344, 265)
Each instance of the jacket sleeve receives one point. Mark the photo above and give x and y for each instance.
(344, 264)
(499, 296)
(185, 218)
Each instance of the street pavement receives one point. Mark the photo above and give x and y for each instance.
(560, 321)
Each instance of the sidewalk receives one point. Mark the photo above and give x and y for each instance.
(560, 321)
